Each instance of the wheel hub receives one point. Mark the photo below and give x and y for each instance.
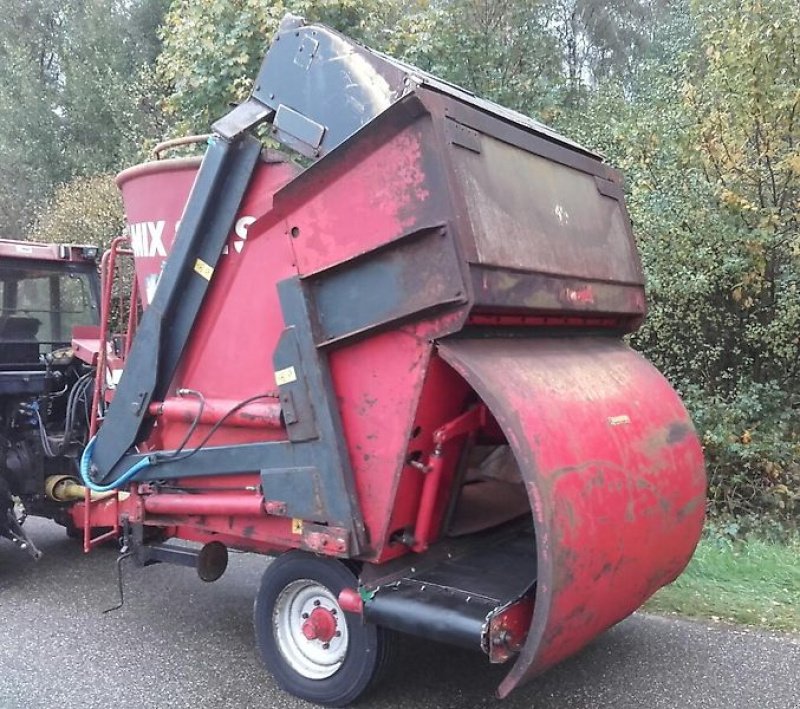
(310, 630)
(320, 625)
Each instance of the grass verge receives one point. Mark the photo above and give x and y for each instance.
(750, 583)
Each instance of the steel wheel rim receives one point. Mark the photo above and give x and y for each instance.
(309, 658)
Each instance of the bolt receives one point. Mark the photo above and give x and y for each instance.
(333, 611)
(304, 616)
(501, 638)
(338, 633)
(326, 646)
(317, 603)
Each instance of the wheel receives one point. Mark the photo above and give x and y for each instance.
(315, 650)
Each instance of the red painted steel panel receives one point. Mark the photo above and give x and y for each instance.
(377, 383)
(154, 194)
(444, 396)
(10, 248)
(614, 473)
(229, 354)
(384, 189)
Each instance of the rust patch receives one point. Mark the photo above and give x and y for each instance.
(677, 432)
(330, 541)
(665, 437)
(689, 508)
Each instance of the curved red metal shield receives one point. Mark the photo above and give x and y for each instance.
(614, 473)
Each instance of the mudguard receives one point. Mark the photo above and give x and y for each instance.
(614, 473)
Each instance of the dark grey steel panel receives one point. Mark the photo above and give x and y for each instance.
(530, 213)
(297, 131)
(295, 397)
(338, 494)
(342, 85)
(406, 277)
(224, 460)
(23, 382)
(504, 290)
(300, 489)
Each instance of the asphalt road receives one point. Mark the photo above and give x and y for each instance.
(181, 643)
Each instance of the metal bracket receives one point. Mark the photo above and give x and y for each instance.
(298, 131)
(242, 118)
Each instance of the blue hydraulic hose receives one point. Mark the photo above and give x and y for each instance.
(86, 465)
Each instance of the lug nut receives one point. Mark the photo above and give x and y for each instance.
(304, 616)
(317, 603)
(326, 646)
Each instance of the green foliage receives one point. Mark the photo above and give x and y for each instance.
(87, 210)
(708, 140)
(750, 440)
(75, 93)
(485, 47)
(29, 128)
(531, 55)
(106, 103)
(213, 50)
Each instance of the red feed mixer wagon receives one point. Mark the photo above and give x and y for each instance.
(399, 369)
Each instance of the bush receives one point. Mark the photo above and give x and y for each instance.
(750, 440)
(86, 210)
(708, 142)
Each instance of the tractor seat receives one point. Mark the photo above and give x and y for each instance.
(18, 343)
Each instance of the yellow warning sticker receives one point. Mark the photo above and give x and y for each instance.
(297, 526)
(203, 269)
(285, 376)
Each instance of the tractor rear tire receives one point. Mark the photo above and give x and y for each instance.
(312, 647)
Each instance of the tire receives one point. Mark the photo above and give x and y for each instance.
(330, 658)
